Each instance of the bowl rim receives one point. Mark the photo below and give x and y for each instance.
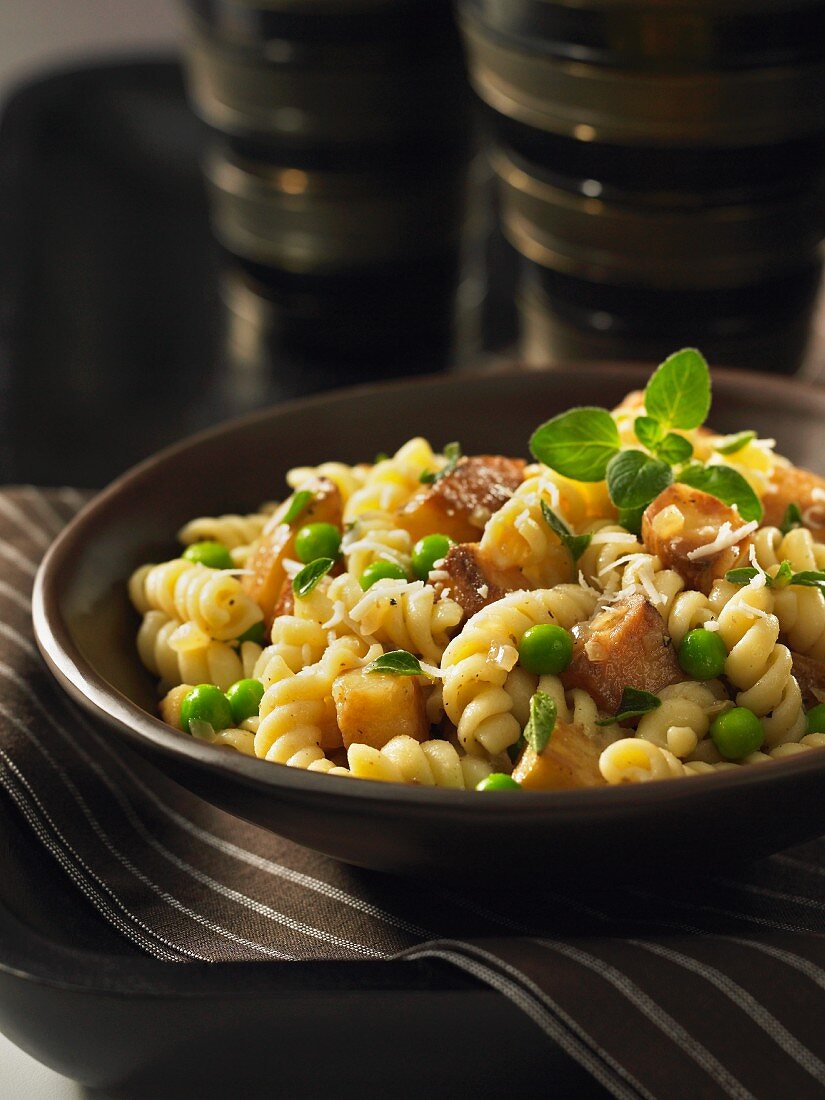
(81, 681)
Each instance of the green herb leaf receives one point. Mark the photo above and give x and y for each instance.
(541, 722)
(809, 578)
(783, 576)
(649, 432)
(678, 394)
(578, 444)
(733, 443)
(452, 452)
(791, 519)
(382, 456)
(742, 576)
(780, 579)
(674, 449)
(574, 544)
(398, 662)
(304, 582)
(727, 485)
(635, 703)
(297, 505)
(634, 479)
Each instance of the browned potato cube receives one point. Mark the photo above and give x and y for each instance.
(622, 646)
(792, 485)
(680, 522)
(460, 503)
(264, 581)
(570, 760)
(374, 707)
(474, 581)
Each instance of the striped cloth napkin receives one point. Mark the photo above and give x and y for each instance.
(687, 988)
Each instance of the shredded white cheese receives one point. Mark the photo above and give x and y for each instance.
(620, 538)
(726, 537)
(483, 591)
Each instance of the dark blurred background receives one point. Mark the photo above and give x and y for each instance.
(374, 188)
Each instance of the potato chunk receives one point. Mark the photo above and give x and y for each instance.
(460, 503)
(682, 520)
(570, 760)
(622, 646)
(474, 580)
(265, 580)
(374, 707)
(810, 675)
(793, 485)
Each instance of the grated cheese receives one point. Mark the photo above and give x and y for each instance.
(726, 537)
(483, 591)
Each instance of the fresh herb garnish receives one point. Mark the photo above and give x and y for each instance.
(578, 443)
(304, 582)
(674, 449)
(733, 443)
(452, 452)
(574, 544)
(792, 518)
(727, 485)
(635, 703)
(541, 722)
(678, 394)
(398, 662)
(668, 446)
(649, 432)
(782, 578)
(634, 479)
(381, 456)
(297, 505)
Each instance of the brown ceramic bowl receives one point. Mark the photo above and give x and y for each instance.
(86, 631)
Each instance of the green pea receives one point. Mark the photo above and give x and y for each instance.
(498, 781)
(702, 654)
(256, 633)
(213, 554)
(317, 540)
(427, 552)
(381, 571)
(244, 699)
(545, 650)
(816, 719)
(736, 733)
(205, 703)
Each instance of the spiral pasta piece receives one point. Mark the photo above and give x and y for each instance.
(475, 665)
(297, 712)
(684, 716)
(635, 760)
(389, 484)
(757, 664)
(399, 614)
(518, 536)
(375, 536)
(233, 531)
(606, 555)
(211, 598)
(348, 479)
(182, 653)
(800, 610)
(428, 764)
